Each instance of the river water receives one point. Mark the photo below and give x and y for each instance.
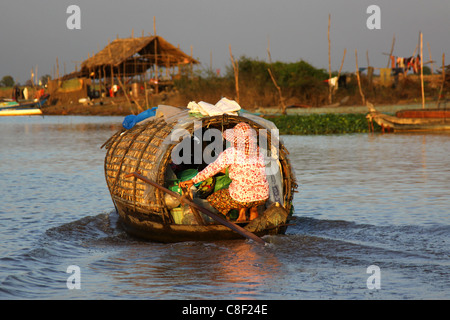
(372, 223)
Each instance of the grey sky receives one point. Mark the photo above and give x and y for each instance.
(35, 33)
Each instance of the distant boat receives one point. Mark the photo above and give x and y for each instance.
(411, 120)
(14, 108)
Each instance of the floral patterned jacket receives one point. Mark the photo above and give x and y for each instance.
(249, 182)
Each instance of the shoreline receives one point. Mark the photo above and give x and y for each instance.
(123, 108)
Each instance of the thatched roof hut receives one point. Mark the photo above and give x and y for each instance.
(132, 56)
(147, 148)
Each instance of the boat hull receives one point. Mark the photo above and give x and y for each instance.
(23, 109)
(143, 226)
(423, 123)
(424, 113)
(21, 112)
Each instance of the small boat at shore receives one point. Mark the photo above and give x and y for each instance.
(411, 120)
(142, 178)
(27, 108)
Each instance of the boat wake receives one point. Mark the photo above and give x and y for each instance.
(308, 234)
(101, 229)
(304, 255)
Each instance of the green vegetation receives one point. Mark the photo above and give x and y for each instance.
(7, 81)
(256, 89)
(300, 83)
(295, 77)
(322, 124)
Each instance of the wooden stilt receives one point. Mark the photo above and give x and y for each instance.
(330, 99)
(421, 71)
(282, 104)
(359, 79)
(236, 74)
(156, 55)
(443, 80)
(392, 51)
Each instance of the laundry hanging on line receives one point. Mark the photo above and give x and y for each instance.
(406, 63)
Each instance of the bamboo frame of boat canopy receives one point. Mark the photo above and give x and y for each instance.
(145, 149)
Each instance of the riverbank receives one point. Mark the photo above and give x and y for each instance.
(296, 121)
(118, 107)
(347, 109)
(107, 107)
(308, 122)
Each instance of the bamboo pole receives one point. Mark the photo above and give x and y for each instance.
(111, 74)
(369, 71)
(156, 55)
(191, 64)
(146, 94)
(431, 59)
(421, 70)
(236, 73)
(135, 66)
(359, 80)
(282, 104)
(210, 61)
(443, 80)
(392, 51)
(124, 70)
(104, 80)
(57, 67)
(342, 63)
(330, 99)
(100, 83)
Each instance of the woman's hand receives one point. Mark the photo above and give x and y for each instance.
(186, 184)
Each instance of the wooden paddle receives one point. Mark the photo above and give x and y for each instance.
(195, 206)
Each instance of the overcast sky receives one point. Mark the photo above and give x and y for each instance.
(35, 32)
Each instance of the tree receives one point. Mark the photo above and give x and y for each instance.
(44, 79)
(7, 81)
(426, 70)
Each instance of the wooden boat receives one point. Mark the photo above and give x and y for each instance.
(28, 108)
(145, 210)
(8, 103)
(411, 120)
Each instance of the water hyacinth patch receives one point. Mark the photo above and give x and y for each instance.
(328, 123)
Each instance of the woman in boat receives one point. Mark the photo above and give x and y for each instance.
(249, 187)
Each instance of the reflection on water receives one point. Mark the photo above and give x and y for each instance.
(190, 270)
(378, 199)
